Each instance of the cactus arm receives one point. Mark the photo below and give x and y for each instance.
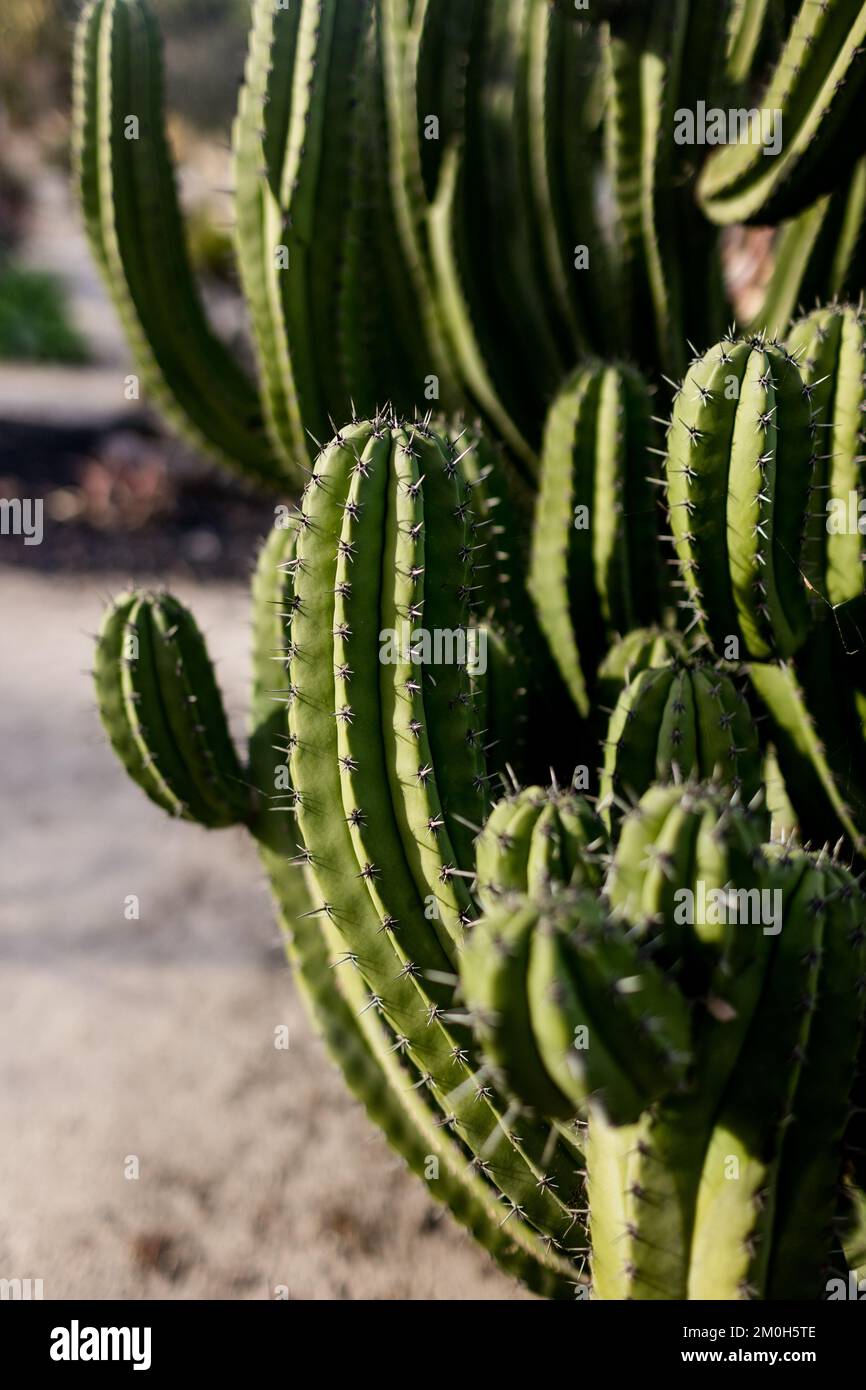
(112, 649)
(436, 33)
(563, 483)
(414, 778)
(738, 472)
(549, 43)
(345, 892)
(126, 187)
(642, 1220)
(817, 80)
(498, 134)
(830, 346)
(163, 712)
(643, 56)
(462, 310)
(450, 586)
(264, 112)
(364, 1051)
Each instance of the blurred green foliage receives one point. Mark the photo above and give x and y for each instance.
(34, 323)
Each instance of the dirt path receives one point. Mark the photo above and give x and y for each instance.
(154, 1038)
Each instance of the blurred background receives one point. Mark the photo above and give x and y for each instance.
(156, 1143)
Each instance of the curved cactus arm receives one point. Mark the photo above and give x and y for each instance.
(126, 187)
(163, 713)
(816, 83)
(364, 1051)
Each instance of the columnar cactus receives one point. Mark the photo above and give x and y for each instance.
(536, 841)
(471, 229)
(740, 460)
(679, 721)
(567, 1011)
(595, 526)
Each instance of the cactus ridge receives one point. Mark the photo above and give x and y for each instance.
(740, 459)
(535, 842)
(539, 973)
(679, 722)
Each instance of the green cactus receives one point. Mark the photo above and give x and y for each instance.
(678, 853)
(567, 1010)
(675, 721)
(642, 649)
(667, 1220)
(740, 462)
(536, 841)
(595, 515)
(460, 223)
(815, 85)
(830, 346)
(819, 254)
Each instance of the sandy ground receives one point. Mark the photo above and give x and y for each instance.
(153, 1039)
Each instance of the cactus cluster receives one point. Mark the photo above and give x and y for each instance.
(558, 662)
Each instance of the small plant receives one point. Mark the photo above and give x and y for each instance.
(574, 577)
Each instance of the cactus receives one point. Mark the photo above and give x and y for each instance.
(676, 839)
(679, 721)
(830, 345)
(740, 463)
(816, 82)
(594, 522)
(536, 841)
(560, 997)
(468, 229)
(666, 1222)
